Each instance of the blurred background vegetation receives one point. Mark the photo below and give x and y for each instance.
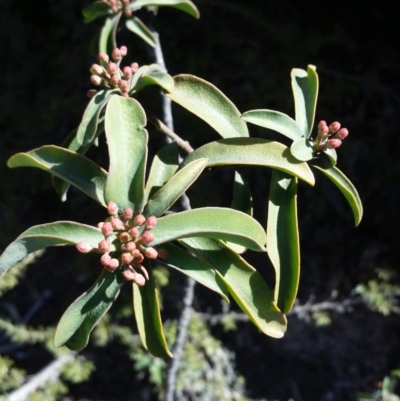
(343, 336)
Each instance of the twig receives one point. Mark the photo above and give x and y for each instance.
(50, 373)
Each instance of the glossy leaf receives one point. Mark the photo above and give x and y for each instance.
(305, 92)
(283, 238)
(155, 77)
(184, 5)
(193, 267)
(108, 33)
(76, 169)
(211, 222)
(345, 186)
(85, 312)
(302, 149)
(165, 197)
(252, 152)
(95, 10)
(127, 146)
(163, 167)
(136, 26)
(88, 127)
(148, 319)
(244, 283)
(45, 235)
(210, 104)
(275, 121)
(332, 155)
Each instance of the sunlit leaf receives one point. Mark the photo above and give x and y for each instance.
(208, 103)
(127, 146)
(108, 33)
(76, 169)
(244, 283)
(332, 155)
(302, 149)
(153, 76)
(85, 312)
(45, 235)
(283, 238)
(275, 121)
(136, 26)
(184, 5)
(251, 152)
(95, 10)
(211, 222)
(305, 92)
(166, 196)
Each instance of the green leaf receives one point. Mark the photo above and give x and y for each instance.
(45, 235)
(76, 169)
(163, 167)
(244, 283)
(95, 10)
(211, 222)
(305, 92)
(252, 152)
(193, 267)
(332, 155)
(210, 104)
(345, 186)
(108, 34)
(165, 197)
(283, 238)
(154, 76)
(136, 26)
(127, 146)
(148, 319)
(302, 149)
(275, 121)
(88, 127)
(85, 312)
(184, 5)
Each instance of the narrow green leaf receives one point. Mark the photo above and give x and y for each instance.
(252, 152)
(108, 34)
(154, 77)
(88, 127)
(305, 92)
(211, 222)
(165, 197)
(76, 169)
(148, 319)
(244, 283)
(184, 5)
(136, 26)
(127, 146)
(85, 312)
(139, 73)
(302, 149)
(345, 186)
(193, 267)
(95, 10)
(45, 235)
(275, 121)
(163, 167)
(210, 104)
(283, 238)
(332, 155)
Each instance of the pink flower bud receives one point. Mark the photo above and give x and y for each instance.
(151, 222)
(342, 133)
(322, 124)
(126, 258)
(129, 274)
(151, 253)
(324, 131)
(125, 2)
(147, 237)
(334, 143)
(123, 85)
(114, 264)
(104, 57)
(130, 246)
(90, 93)
(124, 237)
(103, 246)
(138, 257)
(134, 232)
(105, 259)
(100, 225)
(139, 280)
(127, 71)
(117, 223)
(114, 9)
(112, 208)
(125, 94)
(139, 220)
(128, 213)
(114, 80)
(96, 80)
(83, 247)
(162, 253)
(334, 127)
(116, 54)
(96, 69)
(112, 68)
(113, 3)
(107, 228)
(123, 50)
(134, 67)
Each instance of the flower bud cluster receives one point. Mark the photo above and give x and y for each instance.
(330, 137)
(130, 235)
(111, 76)
(117, 5)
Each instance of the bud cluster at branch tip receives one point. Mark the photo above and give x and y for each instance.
(329, 137)
(119, 5)
(127, 238)
(111, 76)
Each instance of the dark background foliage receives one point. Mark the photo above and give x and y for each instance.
(247, 49)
